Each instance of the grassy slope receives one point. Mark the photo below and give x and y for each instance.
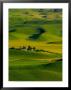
(36, 73)
(32, 65)
(23, 31)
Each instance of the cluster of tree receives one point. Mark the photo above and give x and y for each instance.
(24, 48)
(28, 48)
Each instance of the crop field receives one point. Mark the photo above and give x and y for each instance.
(35, 44)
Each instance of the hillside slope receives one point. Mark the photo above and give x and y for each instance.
(35, 45)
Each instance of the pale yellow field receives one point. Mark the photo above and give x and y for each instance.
(56, 48)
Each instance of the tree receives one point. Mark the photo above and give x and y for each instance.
(34, 48)
(29, 48)
(23, 47)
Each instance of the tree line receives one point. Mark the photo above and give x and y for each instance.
(28, 48)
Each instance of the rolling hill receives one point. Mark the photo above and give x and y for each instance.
(35, 44)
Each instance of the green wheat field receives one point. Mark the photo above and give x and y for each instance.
(35, 45)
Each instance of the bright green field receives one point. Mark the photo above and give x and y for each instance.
(32, 65)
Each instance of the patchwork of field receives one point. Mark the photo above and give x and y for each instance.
(35, 45)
